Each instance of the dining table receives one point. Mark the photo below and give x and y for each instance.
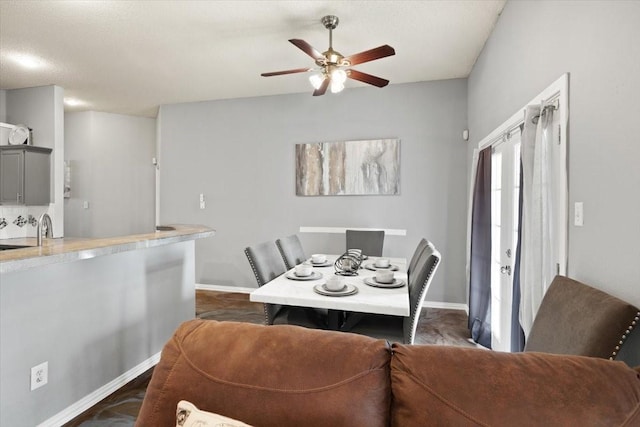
(361, 293)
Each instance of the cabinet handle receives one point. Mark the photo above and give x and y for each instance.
(18, 197)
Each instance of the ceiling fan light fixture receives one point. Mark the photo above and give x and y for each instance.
(336, 86)
(339, 75)
(316, 80)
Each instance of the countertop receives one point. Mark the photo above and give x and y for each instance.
(71, 249)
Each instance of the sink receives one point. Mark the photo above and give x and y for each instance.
(8, 247)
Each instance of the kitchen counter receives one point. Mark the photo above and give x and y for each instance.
(98, 311)
(71, 249)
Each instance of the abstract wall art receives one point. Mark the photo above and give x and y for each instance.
(348, 168)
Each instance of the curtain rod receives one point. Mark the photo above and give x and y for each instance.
(553, 105)
(552, 102)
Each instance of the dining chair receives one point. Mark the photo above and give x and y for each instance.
(267, 264)
(399, 328)
(291, 250)
(369, 241)
(416, 254)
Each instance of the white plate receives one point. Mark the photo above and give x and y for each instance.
(349, 289)
(371, 281)
(19, 135)
(371, 266)
(321, 264)
(313, 276)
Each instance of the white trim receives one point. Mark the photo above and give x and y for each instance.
(446, 305)
(91, 399)
(558, 90)
(342, 230)
(223, 288)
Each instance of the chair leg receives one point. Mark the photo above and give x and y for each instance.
(352, 319)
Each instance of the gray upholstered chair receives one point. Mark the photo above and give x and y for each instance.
(396, 328)
(577, 319)
(291, 250)
(267, 264)
(416, 254)
(370, 241)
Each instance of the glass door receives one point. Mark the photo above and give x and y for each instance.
(505, 190)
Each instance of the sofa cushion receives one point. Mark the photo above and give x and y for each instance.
(188, 415)
(440, 385)
(271, 376)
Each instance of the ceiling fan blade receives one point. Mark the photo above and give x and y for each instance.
(279, 73)
(370, 55)
(308, 49)
(367, 78)
(323, 88)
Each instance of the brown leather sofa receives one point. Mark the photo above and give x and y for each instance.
(292, 376)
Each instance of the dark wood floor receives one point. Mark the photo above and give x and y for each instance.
(436, 326)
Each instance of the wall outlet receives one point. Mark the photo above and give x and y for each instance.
(578, 214)
(39, 375)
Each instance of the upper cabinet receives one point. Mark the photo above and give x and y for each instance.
(25, 173)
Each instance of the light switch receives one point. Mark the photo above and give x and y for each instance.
(85, 204)
(578, 214)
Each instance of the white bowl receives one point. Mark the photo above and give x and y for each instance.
(384, 276)
(334, 284)
(382, 262)
(303, 270)
(318, 258)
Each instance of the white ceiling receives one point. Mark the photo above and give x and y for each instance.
(129, 57)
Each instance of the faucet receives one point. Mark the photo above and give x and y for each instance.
(48, 228)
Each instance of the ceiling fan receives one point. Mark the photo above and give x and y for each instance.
(334, 67)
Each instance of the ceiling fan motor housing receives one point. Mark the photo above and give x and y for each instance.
(330, 22)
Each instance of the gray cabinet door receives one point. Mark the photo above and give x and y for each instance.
(12, 177)
(25, 175)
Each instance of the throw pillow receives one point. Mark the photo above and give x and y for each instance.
(188, 415)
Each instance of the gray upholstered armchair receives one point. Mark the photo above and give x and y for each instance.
(577, 319)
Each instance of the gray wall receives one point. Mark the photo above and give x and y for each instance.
(240, 154)
(110, 160)
(3, 106)
(597, 43)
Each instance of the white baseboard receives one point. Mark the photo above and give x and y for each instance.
(221, 288)
(88, 401)
(447, 305)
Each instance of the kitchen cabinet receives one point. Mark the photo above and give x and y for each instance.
(25, 174)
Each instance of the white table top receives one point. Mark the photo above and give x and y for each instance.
(369, 299)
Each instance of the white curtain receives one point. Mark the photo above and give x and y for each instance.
(539, 248)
